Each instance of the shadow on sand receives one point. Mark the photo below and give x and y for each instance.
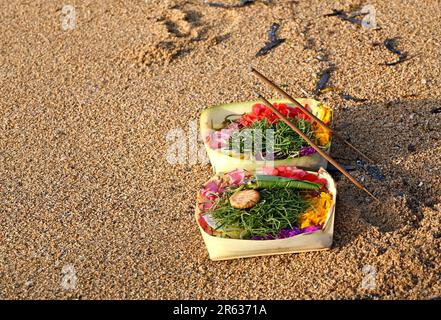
(402, 137)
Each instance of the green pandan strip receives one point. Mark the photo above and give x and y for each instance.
(267, 182)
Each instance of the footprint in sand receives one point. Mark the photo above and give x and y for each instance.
(179, 32)
(183, 24)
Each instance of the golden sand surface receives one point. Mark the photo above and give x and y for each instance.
(90, 207)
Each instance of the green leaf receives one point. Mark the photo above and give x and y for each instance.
(265, 181)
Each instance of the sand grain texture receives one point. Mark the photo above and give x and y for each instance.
(84, 180)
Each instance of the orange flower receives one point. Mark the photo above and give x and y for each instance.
(322, 136)
(324, 113)
(318, 213)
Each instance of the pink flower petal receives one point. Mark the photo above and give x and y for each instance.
(218, 139)
(208, 205)
(212, 186)
(236, 176)
(270, 171)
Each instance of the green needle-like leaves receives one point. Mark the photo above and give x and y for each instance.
(277, 209)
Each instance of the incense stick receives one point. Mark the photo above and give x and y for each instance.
(312, 144)
(301, 107)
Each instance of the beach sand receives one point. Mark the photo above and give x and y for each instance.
(90, 207)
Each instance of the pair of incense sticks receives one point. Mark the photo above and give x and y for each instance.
(299, 132)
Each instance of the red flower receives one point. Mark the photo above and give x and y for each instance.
(260, 112)
(205, 225)
(294, 173)
(258, 109)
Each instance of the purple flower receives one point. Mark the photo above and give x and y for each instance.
(311, 229)
(306, 151)
(288, 233)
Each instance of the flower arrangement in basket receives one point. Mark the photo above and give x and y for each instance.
(265, 207)
(230, 130)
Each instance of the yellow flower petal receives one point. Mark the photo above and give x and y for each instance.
(322, 136)
(318, 213)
